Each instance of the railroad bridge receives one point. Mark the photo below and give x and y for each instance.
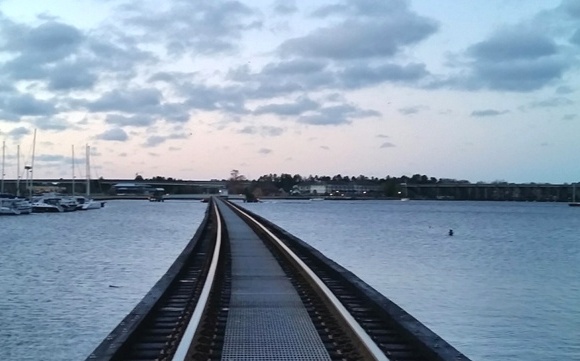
(245, 289)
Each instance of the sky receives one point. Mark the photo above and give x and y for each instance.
(482, 90)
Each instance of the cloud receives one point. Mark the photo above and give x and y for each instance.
(51, 158)
(285, 7)
(382, 136)
(18, 133)
(324, 147)
(70, 75)
(155, 140)
(363, 75)
(265, 151)
(387, 145)
(364, 32)
(336, 115)
(521, 58)
(550, 103)
(266, 131)
(212, 27)
(513, 44)
(129, 101)
(51, 123)
(16, 105)
(49, 42)
(569, 116)
(114, 134)
(140, 120)
(299, 106)
(488, 113)
(412, 110)
(575, 39)
(229, 99)
(354, 39)
(564, 90)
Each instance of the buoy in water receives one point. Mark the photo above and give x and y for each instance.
(451, 232)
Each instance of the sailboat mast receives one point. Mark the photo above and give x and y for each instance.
(3, 162)
(32, 163)
(73, 171)
(18, 170)
(88, 171)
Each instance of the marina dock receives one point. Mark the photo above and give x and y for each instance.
(245, 289)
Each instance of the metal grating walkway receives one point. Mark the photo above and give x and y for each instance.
(266, 320)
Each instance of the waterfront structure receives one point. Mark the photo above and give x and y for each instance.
(133, 188)
(340, 188)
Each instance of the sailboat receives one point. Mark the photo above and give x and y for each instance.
(574, 203)
(86, 202)
(10, 204)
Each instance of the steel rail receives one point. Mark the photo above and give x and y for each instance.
(363, 337)
(187, 339)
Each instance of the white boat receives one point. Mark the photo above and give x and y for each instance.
(84, 203)
(10, 205)
(47, 204)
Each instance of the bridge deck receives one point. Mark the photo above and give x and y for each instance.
(267, 319)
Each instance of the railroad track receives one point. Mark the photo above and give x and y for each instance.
(245, 289)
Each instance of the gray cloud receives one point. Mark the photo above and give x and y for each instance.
(564, 90)
(569, 117)
(285, 7)
(51, 123)
(412, 110)
(114, 134)
(521, 58)
(230, 99)
(488, 113)
(382, 136)
(265, 151)
(266, 131)
(25, 104)
(155, 140)
(387, 145)
(575, 39)
(336, 115)
(135, 100)
(364, 75)
(71, 75)
(51, 158)
(46, 43)
(135, 120)
(364, 8)
(301, 105)
(571, 8)
(215, 27)
(18, 133)
(513, 44)
(550, 103)
(59, 57)
(283, 78)
(356, 39)
(370, 28)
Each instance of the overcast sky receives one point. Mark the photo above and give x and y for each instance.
(481, 90)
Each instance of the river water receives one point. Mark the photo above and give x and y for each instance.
(505, 286)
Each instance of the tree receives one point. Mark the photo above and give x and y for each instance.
(138, 177)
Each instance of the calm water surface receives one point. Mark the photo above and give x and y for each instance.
(506, 286)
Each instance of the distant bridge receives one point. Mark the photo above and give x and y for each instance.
(68, 181)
